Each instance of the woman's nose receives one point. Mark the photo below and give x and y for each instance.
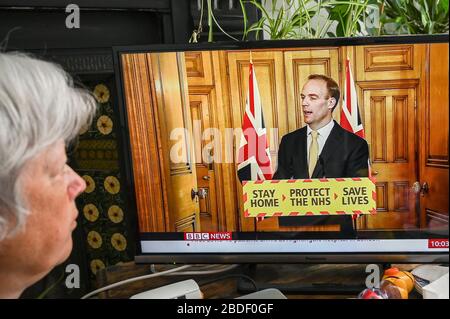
(77, 185)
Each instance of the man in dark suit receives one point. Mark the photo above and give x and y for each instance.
(322, 148)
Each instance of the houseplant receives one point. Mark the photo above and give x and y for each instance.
(300, 19)
(414, 16)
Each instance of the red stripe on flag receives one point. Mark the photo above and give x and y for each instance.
(246, 214)
(275, 181)
(356, 179)
(244, 197)
(324, 213)
(291, 181)
(360, 133)
(340, 179)
(307, 180)
(293, 213)
(323, 179)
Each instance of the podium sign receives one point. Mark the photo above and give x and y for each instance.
(309, 197)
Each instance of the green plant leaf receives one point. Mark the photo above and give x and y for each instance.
(210, 23)
(223, 31)
(244, 15)
(419, 16)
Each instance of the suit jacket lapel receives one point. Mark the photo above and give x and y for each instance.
(302, 156)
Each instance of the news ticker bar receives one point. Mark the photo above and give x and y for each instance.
(291, 235)
(296, 246)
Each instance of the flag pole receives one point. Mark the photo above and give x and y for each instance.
(255, 220)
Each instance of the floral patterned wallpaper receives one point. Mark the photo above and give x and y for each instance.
(105, 223)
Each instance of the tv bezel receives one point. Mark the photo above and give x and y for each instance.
(261, 258)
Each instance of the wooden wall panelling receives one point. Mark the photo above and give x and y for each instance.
(434, 139)
(176, 137)
(199, 68)
(269, 70)
(228, 206)
(382, 62)
(140, 100)
(390, 127)
(299, 65)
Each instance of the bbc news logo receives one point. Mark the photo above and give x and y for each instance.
(438, 243)
(208, 236)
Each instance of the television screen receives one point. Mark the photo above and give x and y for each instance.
(330, 150)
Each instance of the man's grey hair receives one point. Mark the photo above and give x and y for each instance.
(39, 105)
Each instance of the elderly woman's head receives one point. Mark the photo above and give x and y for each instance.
(40, 113)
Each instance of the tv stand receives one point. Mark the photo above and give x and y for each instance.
(331, 281)
(306, 279)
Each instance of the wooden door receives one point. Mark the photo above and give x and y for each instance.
(200, 99)
(204, 83)
(388, 80)
(390, 128)
(159, 121)
(176, 139)
(434, 139)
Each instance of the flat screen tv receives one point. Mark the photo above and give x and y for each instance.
(183, 112)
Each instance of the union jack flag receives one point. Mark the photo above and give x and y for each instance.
(350, 118)
(254, 158)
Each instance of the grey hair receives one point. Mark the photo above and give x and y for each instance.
(39, 105)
